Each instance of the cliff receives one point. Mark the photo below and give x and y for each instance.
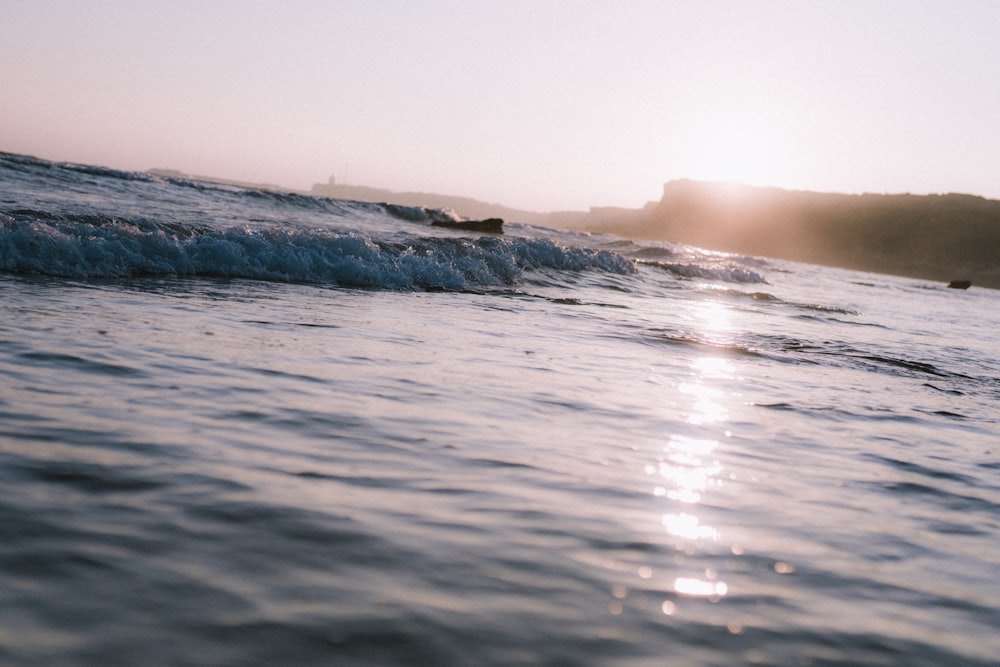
(935, 237)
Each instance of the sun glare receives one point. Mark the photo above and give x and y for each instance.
(742, 150)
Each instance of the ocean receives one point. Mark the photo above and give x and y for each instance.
(242, 427)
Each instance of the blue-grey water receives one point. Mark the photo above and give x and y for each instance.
(249, 428)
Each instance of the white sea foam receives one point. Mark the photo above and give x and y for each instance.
(115, 249)
(727, 271)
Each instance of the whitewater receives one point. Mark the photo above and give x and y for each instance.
(246, 427)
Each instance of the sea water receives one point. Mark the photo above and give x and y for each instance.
(253, 428)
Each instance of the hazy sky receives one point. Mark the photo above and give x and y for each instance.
(536, 104)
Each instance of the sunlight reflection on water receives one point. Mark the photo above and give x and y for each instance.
(689, 468)
(699, 587)
(707, 409)
(688, 526)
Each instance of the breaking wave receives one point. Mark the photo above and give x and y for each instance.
(109, 248)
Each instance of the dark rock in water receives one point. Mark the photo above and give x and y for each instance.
(960, 284)
(487, 226)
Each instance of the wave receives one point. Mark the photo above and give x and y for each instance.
(108, 183)
(724, 271)
(27, 164)
(84, 221)
(113, 248)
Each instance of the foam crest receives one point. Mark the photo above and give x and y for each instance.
(729, 272)
(116, 249)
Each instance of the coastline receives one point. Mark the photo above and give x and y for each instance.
(943, 238)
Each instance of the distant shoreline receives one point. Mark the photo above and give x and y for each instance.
(943, 238)
(464, 206)
(175, 173)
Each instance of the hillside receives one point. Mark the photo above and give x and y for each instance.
(934, 237)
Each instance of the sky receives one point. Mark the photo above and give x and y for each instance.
(541, 104)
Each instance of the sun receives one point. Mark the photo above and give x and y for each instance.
(741, 149)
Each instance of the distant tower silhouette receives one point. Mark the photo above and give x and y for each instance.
(333, 180)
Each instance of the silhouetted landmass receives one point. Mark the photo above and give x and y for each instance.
(951, 238)
(480, 213)
(936, 237)
(173, 173)
(463, 206)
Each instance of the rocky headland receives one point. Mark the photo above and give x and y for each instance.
(949, 237)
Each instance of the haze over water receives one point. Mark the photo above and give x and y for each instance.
(539, 106)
